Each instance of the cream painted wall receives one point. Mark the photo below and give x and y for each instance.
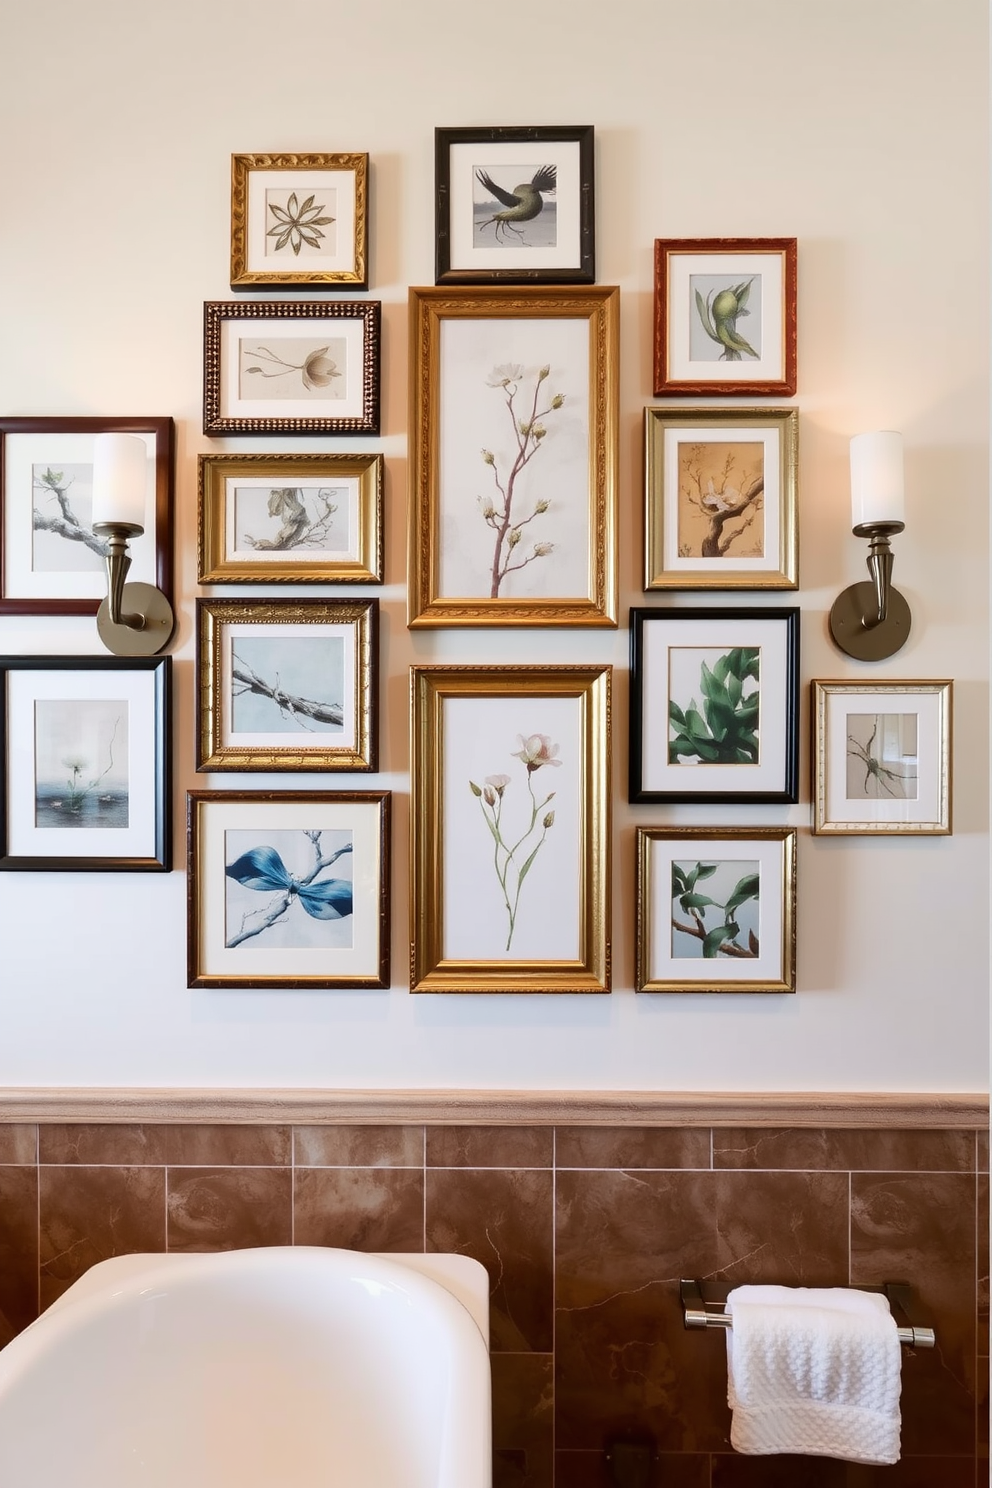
(860, 127)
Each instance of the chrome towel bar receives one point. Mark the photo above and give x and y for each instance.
(706, 1310)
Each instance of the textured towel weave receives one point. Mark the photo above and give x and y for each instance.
(814, 1371)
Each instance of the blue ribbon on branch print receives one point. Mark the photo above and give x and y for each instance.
(262, 868)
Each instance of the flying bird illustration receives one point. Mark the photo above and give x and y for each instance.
(523, 203)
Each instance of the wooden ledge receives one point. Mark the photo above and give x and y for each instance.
(897, 1111)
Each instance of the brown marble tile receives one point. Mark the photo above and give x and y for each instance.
(632, 1147)
(18, 1142)
(786, 1471)
(229, 1208)
(358, 1146)
(490, 1146)
(89, 1214)
(359, 1208)
(18, 1249)
(982, 1412)
(866, 1150)
(982, 1149)
(920, 1228)
(94, 1143)
(624, 1361)
(672, 1469)
(982, 1237)
(523, 1420)
(197, 1146)
(913, 1472)
(505, 1220)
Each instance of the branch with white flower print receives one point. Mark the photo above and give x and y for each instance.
(536, 751)
(497, 512)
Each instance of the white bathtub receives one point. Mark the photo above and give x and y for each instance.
(289, 1367)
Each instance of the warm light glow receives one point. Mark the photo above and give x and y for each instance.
(120, 478)
(877, 478)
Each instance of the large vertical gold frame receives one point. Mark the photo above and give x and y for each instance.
(429, 307)
(431, 688)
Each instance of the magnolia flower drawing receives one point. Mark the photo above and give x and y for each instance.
(514, 851)
(318, 370)
(501, 510)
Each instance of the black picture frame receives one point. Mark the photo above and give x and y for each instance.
(455, 185)
(657, 773)
(29, 824)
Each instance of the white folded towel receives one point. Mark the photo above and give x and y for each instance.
(814, 1371)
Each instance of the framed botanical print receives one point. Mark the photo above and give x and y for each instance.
(714, 706)
(882, 758)
(51, 560)
(716, 909)
(299, 220)
(299, 519)
(85, 764)
(288, 889)
(514, 456)
(725, 316)
(271, 367)
(286, 684)
(515, 205)
(510, 844)
(721, 498)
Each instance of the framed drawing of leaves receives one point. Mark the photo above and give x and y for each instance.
(716, 909)
(299, 220)
(714, 706)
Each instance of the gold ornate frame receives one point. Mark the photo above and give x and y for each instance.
(213, 753)
(433, 688)
(429, 309)
(242, 169)
(661, 503)
(650, 896)
(885, 814)
(215, 567)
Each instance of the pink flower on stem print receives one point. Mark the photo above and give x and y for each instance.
(535, 750)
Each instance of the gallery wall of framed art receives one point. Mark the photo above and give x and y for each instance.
(699, 465)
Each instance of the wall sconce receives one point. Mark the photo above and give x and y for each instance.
(134, 619)
(872, 620)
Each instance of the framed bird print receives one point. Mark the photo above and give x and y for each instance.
(720, 498)
(288, 889)
(515, 205)
(725, 316)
